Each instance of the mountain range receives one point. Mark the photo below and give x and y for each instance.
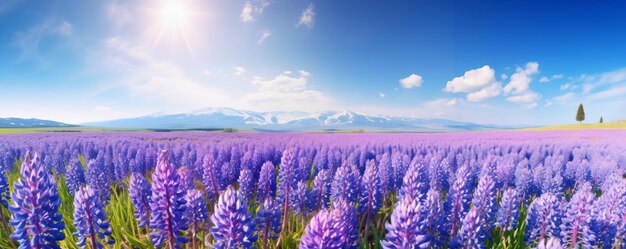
(30, 123)
(224, 117)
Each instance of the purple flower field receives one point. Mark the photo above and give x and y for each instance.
(547, 189)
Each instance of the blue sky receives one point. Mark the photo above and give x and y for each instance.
(500, 62)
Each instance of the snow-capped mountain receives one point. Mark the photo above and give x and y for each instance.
(29, 123)
(224, 117)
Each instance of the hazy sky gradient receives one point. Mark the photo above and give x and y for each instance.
(528, 62)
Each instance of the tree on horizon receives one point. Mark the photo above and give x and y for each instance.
(580, 114)
(601, 120)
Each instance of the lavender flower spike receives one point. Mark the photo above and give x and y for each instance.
(268, 219)
(36, 199)
(472, 234)
(406, 228)
(267, 182)
(233, 224)
(197, 213)
(167, 205)
(543, 218)
(575, 229)
(90, 219)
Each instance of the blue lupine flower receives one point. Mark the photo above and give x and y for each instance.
(346, 184)
(509, 210)
(75, 176)
(196, 212)
(233, 226)
(543, 218)
(371, 194)
(406, 228)
(299, 199)
(415, 183)
(35, 216)
(268, 220)
(320, 194)
(349, 224)
(211, 177)
(458, 201)
(90, 220)
(267, 182)
(386, 174)
(472, 234)
(485, 201)
(167, 205)
(611, 207)
(4, 190)
(575, 228)
(98, 180)
(246, 184)
(434, 223)
(323, 231)
(140, 193)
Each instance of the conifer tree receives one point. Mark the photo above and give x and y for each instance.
(580, 114)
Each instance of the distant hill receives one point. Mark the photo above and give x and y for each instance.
(223, 117)
(30, 123)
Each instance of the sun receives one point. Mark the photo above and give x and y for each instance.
(174, 13)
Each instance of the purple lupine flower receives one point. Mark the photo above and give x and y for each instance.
(543, 218)
(36, 200)
(435, 218)
(186, 176)
(509, 210)
(90, 219)
(458, 201)
(211, 177)
(386, 174)
(167, 205)
(472, 233)
(196, 213)
(268, 219)
(485, 201)
(349, 226)
(371, 195)
(611, 207)
(575, 228)
(97, 178)
(4, 191)
(320, 194)
(233, 226)
(230, 174)
(323, 231)
(416, 183)
(267, 182)
(345, 184)
(246, 184)
(299, 198)
(552, 243)
(406, 228)
(75, 176)
(286, 183)
(140, 193)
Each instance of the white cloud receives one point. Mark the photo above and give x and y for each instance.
(263, 36)
(286, 92)
(411, 81)
(504, 76)
(564, 97)
(238, 70)
(307, 18)
(28, 41)
(119, 14)
(525, 98)
(521, 79)
(472, 80)
(136, 70)
(251, 9)
(545, 79)
(491, 91)
(381, 94)
(452, 102)
(568, 86)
